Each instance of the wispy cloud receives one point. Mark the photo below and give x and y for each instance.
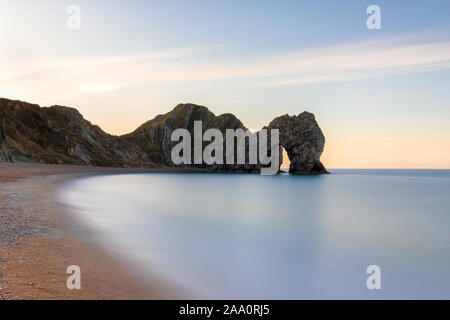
(347, 62)
(360, 61)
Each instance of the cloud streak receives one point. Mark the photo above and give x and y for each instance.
(347, 62)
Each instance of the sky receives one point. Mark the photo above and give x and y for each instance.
(380, 96)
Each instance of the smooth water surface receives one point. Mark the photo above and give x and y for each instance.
(279, 237)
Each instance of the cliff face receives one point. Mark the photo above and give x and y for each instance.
(60, 134)
(5, 154)
(154, 136)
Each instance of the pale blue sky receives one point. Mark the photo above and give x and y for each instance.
(380, 96)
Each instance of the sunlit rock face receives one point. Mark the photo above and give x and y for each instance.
(303, 141)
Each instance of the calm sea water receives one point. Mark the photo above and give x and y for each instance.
(279, 237)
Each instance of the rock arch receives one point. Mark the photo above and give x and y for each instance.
(303, 141)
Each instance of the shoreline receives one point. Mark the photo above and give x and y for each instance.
(38, 241)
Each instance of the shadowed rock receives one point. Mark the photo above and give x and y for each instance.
(303, 141)
(60, 134)
(154, 136)
(5, 155)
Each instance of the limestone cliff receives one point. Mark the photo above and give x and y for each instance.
(154, 136)
(60, 134)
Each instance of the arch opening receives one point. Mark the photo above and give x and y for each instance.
(286, 161)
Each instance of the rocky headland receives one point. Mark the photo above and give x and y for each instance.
(60, 135)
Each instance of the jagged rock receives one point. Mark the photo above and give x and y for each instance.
(303, 141)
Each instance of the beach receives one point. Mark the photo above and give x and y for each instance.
(38, 242)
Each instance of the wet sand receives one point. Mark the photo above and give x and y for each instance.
(38, 242)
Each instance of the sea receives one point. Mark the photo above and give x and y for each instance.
(350, 234)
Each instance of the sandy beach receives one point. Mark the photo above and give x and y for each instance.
(37, 242)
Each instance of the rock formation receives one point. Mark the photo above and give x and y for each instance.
(60, 134)
(5, 155)
(303, 141)
(154, 136)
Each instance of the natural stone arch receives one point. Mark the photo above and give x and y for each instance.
(303, 141)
